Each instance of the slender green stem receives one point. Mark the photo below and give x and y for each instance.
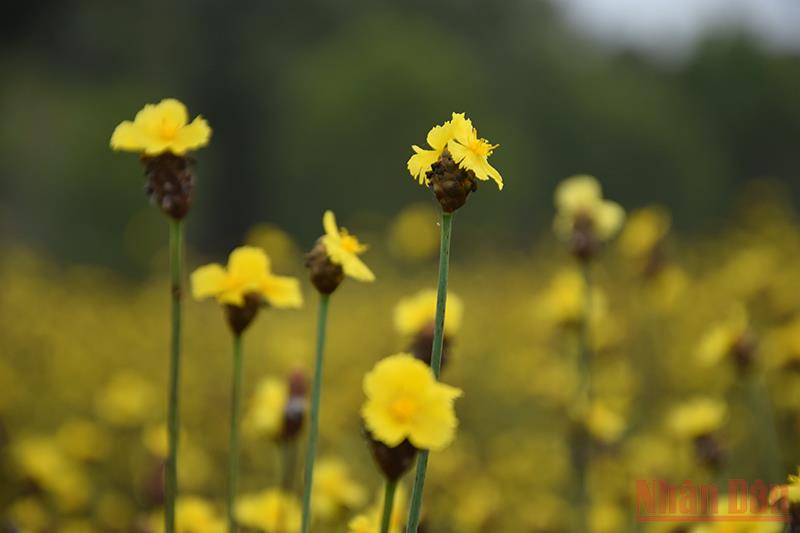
(233, 448)
(313, 430)
(171, 467)
(765, 430)
(582, 440)
(415, 509)
(388, 505)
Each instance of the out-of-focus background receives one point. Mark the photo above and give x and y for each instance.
(688, 112)
(315, 105)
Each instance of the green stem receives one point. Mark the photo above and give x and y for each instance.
(171, 467)
(388, 505)
(233, 448)
(583, 442)
(313, 430)
(415, 509)
(765, 430)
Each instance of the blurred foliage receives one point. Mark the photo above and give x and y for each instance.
(84, 367)
(315, 106)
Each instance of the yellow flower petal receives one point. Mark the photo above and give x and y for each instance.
(195, 135)
(208, 280)
(608, 219)
(282, 292)
(248, 263)
(439, 136)
(329, 225)
(421, 162)
(577, 193)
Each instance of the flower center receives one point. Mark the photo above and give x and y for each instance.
(403, 409)
(168, 130)
(351, 244)
(480, 147)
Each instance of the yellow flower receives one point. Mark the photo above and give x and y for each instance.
(404, 401)
(605, 424)
(414, 313)
(248, 273)
(581, 196)
(334, 489)
(721, 339)
(271, 510)
(461, 139)
(127, 400)
(83, 440)
(343, 249)
(791, 490)
(159, 128)
(471, 152)
(645, 229)
(265, 416)
(28, 514)
(696, 417)
(192, 515)
(414, 235)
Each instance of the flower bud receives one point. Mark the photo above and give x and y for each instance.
(170, 182)
(422, 345)
(583, 243)
(325, 275)
(743, 352)
(451, 184)
(393, 462)
(295, 410)
(239, 318)
(709, 451)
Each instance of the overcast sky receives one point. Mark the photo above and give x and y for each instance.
(661, 25)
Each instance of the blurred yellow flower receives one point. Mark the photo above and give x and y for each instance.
(76, 526)
(270, 510)
(414, 234)
(277, 243)
(415, 313)
(334, 489)
(248, 273)
(644, 230)
(697, 416)
(404, 401)
(159, 128)
(604, 423)
(83, 440)
(562, 301)
(468, 150)
(580, 197)
(266, 411)
(606, 517)
(720, 341)
(343, 249)
(192, 515)
(790, 490)
(127, 400)
(28, 514)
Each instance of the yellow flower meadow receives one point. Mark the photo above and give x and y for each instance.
(581, 196)
(414, 313)
(404, 401)
(248, 273)
(343, 249)
(460, 138)
(159, 128)
(269, 510)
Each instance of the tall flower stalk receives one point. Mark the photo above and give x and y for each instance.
(242, 288)
(162, 134)
(173, 421)
(415, 509)
(453, 164)
(584, 220)
(334, 256)
(388, 505)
